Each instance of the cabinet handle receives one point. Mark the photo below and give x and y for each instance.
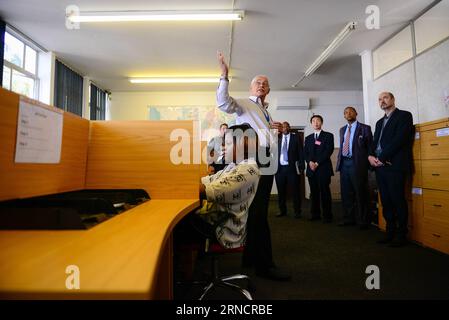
(435, 174)
(434, 144)
(436, 235)
(438, 205)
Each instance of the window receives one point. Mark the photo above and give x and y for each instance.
(20, 67)
(97, 103)
(432, 27)
(68, 89)
(393, 52)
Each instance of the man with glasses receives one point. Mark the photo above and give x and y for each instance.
(253, 110)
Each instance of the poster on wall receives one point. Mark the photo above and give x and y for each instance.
(210, 118)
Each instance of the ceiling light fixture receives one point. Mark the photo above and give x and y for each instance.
(134, 16)
(347, 30)
(162, 80)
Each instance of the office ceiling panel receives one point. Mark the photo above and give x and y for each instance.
(277, 38)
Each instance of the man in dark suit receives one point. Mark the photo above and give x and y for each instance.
(391, 157)
(352, 163)
(291, 164)
(318, 149)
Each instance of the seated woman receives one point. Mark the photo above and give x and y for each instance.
(230, 192)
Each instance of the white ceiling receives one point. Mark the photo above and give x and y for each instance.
(278, 38)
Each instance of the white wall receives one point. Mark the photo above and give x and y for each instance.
(420, 86)
(329, 104)
(46, 74)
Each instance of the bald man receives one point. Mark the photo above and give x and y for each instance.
(391, 158)
(254, 111)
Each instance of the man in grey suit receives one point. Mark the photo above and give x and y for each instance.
(352, 162)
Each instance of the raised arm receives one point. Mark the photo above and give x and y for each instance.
(223, 66)
(225, 102)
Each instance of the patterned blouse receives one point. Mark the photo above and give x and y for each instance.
(231, 190)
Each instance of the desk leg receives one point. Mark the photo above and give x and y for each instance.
(165, 278)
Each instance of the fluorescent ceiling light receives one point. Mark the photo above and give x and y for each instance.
(175, 80)
(127, 16)
(347, 30)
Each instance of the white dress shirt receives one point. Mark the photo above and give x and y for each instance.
(285, 139)
(249, 111)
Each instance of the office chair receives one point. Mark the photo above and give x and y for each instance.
(213, 249)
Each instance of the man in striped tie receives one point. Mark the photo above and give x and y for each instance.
(352, 162)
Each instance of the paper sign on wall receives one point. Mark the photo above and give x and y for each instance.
(417, 136)
(417, 191)
(39, 134)
(442, 132)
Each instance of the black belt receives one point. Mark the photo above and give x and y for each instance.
(346, 158)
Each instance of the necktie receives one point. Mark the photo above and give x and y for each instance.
(316, 136)
(285, 149)
(346, 144)
(379, 147)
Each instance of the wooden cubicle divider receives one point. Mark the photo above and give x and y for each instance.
(21, 180)
(136, 154)
(127, 257)
(104, 154)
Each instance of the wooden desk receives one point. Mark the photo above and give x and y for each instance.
(126, 257)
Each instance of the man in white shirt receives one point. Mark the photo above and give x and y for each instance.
(291, 165)
(258, 249)
(318, 149)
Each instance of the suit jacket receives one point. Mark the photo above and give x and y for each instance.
(319, 153)
(396, 142)
(361, 147)
(295, 152)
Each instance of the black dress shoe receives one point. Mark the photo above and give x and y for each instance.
(298, 216)
(364, 227)
(385, 240)
(273, 273)
(327, 220)
(397, 243)
(314, 218)
(281, 215)
(346, 224)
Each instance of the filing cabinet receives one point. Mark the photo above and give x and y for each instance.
(428, 192)
(435, 184)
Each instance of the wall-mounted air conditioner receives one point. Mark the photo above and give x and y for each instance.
(293, 103)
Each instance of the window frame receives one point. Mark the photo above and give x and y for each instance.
(22, 70)
(98, 109)
(415, 54)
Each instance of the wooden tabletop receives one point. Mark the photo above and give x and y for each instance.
(119, 258)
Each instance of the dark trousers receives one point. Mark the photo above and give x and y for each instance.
(258, 252)
(287, 176)
(354, 194)
(320, 193)
(394, 204)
